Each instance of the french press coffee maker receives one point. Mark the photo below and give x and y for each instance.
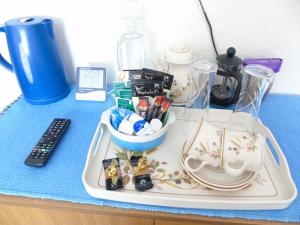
(227, 85)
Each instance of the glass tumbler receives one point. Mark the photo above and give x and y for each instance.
(256, 81)
(202, 76)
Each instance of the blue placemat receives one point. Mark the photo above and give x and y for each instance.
(23, 124)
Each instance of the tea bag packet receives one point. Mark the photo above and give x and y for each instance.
(122, 93)
(142, 179)
(113, 177)
(122, 89)
(166, 78)
(122, 84)
(126, 75)
(147, 74)
(125, 103)
(146, 88)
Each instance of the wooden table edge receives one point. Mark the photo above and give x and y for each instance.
(107, 210)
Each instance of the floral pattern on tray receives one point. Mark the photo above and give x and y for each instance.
(159, 173)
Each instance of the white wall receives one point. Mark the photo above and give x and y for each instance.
(91, 28)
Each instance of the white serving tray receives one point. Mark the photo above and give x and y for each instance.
(273, 188)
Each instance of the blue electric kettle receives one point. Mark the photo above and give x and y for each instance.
(36, 60)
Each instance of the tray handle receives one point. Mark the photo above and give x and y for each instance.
(97, 138)
(283, 165)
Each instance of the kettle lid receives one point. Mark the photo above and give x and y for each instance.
(29, 21)
(229, 59)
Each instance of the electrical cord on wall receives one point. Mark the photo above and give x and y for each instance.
(210, 28)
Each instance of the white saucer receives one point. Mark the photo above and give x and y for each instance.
(216, 186)
(237, 188)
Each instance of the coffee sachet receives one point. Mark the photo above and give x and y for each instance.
(158, 100)
(143, 107)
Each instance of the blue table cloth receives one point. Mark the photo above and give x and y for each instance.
(22, 125)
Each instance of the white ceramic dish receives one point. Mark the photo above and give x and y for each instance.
(272, 187)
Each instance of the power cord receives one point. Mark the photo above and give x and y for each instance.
(210, 28)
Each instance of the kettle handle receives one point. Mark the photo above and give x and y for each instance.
(3, 61)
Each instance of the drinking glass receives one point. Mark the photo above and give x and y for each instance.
(256, 81)
(202, 76)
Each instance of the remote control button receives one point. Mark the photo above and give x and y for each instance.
(43, 140)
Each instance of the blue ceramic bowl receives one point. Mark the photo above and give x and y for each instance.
(137, 143)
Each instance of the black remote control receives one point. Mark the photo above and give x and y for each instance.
(43, 149)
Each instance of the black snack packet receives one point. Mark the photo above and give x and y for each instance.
(142, 179)
(113, 177)
(146, 88)
(166, 78)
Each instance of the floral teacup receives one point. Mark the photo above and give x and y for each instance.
(233, 151)
(205, 147)
(243, 151)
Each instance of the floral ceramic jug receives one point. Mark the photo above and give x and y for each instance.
(179, 62)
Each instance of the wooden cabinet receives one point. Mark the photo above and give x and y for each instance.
(13, 215)
(30, 211)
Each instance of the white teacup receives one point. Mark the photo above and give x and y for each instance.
(233, 151)
(243, 151)
(205, 147)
